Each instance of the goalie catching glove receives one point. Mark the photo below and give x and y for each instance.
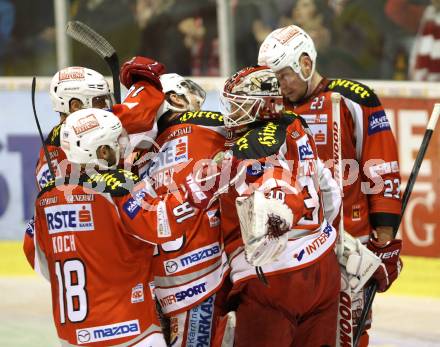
(264, 224)
(141, 69)
(391, 265)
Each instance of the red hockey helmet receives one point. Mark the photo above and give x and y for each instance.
(251, 94)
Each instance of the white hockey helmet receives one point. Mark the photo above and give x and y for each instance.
(191, 91)
(251, 94)
(284, 47)
(84, 131)
(86, 85)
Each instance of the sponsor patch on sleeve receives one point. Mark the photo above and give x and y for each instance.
(133, 205)
(378, 122)
(305, 150)
(30, 227)
(137, 293)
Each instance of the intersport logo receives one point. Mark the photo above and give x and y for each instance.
(190, 292)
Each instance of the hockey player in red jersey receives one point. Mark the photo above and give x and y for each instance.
(86, 225)
(71, 89)
(372, 196)
(189, 271)
(273, 221)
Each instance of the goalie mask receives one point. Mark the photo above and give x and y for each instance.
(86, 130)
(86, 85)
(192, 93)
(251, 94)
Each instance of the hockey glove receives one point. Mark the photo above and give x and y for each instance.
(204, 186)
(391, 265)
(141, 69)
(197, 195)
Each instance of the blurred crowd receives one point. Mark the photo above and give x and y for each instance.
(375, 39)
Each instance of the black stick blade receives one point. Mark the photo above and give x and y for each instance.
(90, 38)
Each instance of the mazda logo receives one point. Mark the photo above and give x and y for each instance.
(83, 336)
(171, 266)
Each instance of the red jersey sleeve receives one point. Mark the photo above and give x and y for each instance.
(28, 242)
(155, 218)
(139, 109)
(376, 152)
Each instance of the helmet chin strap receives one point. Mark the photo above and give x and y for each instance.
(309, 82)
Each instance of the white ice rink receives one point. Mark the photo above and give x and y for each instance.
(25, 317)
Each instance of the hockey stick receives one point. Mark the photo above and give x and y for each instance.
(371, 292)
(46, 152)
(337, 161)
(344, 332)
(90, 38)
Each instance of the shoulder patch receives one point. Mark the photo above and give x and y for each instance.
(289, 117)
(203, 118)
(54, 136)
(48, 186)
(260, 142)
(356, 91)
(52, 184)
(208, 118)
(115, 182)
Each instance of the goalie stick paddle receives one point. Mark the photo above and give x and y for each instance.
(90, 38)
(371, 292)
(337, 161)
(46, 152)
(344, 327)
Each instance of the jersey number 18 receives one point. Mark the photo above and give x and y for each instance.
(72, 294)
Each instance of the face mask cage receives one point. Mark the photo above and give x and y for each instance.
(238, 110)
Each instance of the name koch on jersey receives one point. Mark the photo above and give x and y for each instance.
(63, 218)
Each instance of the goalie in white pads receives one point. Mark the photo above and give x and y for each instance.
(284, 235)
